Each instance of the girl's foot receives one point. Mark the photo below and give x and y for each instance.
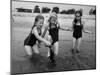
(77, 51)
(52, 59)
(72, 51)
(51, 63)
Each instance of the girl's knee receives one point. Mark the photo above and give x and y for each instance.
(35, 48)
(56, 48)
(28, 50)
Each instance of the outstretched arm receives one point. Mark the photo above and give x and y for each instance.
(66, 29)
(86, 31)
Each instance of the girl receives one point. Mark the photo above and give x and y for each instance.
(30, 42)
(53, 28)
(77, 28)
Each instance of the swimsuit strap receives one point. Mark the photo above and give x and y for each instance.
(32, 29)
(55, 24)
(75, 21)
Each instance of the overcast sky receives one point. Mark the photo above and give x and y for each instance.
(30, 5)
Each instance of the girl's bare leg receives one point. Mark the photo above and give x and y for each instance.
(48, 37)
(78, 43)
(28, 50)
(35, 49)
(48, 53)
(56, 48)
(74, 42)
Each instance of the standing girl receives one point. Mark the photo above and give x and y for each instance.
(77, 28)
(52, 28)
(30, 42)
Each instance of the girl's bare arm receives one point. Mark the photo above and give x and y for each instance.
(86, 31)
(66, 29)
(35, 32)
(45, 30)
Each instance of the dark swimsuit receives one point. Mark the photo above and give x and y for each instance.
(77, 33)
(53, 31)
(31, 39)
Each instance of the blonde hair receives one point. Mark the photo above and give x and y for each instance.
(53, 15)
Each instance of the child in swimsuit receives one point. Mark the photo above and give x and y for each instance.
(53, 30)
(30, 42)
(53, 27)
(78, 28)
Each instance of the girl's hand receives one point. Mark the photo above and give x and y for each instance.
(47, 43)
(91, 33)
(69, 29)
